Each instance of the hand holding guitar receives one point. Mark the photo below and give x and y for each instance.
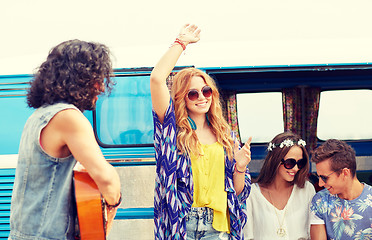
(111, 213)
(95, 216)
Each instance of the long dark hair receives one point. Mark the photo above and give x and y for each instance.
(273, 160)
(75, 73)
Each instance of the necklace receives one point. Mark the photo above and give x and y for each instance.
(280, 231)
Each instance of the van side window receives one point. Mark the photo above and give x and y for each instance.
(125, 117)
(260, 115)
(345, 114)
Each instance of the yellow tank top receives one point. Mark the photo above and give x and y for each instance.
(208, 172)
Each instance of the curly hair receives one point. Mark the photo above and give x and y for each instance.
(340, 154)
(273, 161)
(187, 140)
(75, 73)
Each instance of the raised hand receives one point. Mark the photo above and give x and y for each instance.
(243, 155)
(189, 34)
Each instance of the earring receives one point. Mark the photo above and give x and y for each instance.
(192, 123)
(206, 116)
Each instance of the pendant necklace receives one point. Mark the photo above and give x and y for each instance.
(280, 231)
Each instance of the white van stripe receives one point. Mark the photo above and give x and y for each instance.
(8, 161)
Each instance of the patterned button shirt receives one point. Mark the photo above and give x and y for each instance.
(174, 185)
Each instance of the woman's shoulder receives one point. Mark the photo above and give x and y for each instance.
(255, 186)
(258, 189)
(308, 189)
(255, 193)
(309, 185)
(255, 189)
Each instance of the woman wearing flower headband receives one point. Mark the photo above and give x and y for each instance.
(202, 179)
(278, 205)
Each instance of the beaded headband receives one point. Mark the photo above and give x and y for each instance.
(285, 143)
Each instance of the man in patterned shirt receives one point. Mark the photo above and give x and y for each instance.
(343, 210)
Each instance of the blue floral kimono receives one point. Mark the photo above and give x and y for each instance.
(174, 185)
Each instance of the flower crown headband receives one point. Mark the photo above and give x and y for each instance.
(286, 143)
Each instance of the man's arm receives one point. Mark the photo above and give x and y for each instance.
(318, 232)
(69, 132)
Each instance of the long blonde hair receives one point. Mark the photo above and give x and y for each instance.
(187, 140)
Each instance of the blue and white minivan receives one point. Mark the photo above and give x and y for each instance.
(318, 102)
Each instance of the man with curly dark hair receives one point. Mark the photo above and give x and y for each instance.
(55, 137)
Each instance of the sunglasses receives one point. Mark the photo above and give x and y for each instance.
(325, 178)
(291, 163)
(194, 94)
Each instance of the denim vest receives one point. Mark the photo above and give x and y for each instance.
(43, 205)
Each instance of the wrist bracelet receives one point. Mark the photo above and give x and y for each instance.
(236, 170)
(115, 205)
(180, 43)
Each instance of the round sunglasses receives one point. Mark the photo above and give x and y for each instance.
(291, 163)
(193, 94)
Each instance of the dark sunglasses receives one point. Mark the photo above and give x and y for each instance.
(194, 94)
(325, 178)
(291, 163)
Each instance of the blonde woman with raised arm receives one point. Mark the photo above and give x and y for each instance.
(202, 178)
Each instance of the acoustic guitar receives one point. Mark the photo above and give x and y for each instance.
(91, 208)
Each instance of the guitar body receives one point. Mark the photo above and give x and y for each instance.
(90, 207)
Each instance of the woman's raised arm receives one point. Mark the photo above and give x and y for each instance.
(159, 90)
